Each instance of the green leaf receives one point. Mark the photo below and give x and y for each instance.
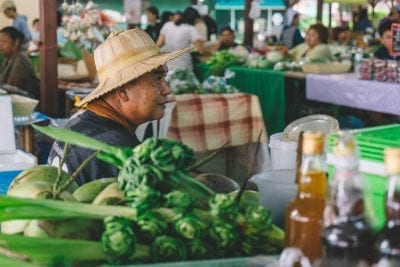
(78, 139)
(12, 208)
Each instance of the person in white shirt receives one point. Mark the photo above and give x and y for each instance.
(179, 34)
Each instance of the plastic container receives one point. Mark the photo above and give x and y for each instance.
(277, 188)
(283, 154)
(371, 143)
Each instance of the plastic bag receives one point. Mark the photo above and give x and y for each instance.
(255, 10)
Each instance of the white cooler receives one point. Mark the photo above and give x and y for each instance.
(12, 161)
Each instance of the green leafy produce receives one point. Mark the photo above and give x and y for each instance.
(163, 213)
(118, 239)
(167, 248)
(183, 81)
(190, 227)
(220, 60)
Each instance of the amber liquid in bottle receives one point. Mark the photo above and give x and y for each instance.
(347, 238)
(388, 242)
(304, 214)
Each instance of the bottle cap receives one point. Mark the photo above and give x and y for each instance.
(345, 151)
(313, 143)
(392, 161)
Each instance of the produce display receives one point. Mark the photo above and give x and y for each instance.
(154, 211)
(183, 81)
(220, 60)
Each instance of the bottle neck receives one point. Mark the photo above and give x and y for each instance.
(345, 191)
(393, 199)
(312, 177)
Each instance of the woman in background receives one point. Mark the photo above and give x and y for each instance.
(179, 34)
(16, 68)
(315, 46)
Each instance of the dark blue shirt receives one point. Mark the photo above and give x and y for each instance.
(100, 128)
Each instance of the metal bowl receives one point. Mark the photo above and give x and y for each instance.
(218, 183)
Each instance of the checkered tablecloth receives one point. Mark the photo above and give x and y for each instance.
(206, 122)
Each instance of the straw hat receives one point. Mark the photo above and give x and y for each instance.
(125, 56)
(7, 4)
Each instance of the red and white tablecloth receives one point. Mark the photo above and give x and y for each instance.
(206, 122)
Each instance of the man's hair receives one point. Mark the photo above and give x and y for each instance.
(153, 10)
(322, 32)
(227, 28)
(13, 33)
(385, 26)
(35, 21)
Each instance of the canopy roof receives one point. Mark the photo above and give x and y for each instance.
(239, 4)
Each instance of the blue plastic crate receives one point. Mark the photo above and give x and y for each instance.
(6, 178)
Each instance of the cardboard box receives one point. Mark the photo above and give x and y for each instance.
(12, 161)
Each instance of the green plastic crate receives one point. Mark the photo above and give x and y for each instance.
(371, 143)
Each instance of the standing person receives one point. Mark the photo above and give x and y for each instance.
(179, 34)
(34, 43)
(19, 21)
(132, 90)
(16, 69)
(153, 26)
(291, 35)
(363, 23)
(166, 16)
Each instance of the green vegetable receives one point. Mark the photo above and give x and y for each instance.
(150, 225)
(190, 227)
(219, 61)
(142, 198)
(12, 208)
(223, 205)
(179, 200)
(199, 249)
(224, 233)
(167, 248)
(118, 239)
(86, 193)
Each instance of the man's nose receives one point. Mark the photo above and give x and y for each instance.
(165, 89)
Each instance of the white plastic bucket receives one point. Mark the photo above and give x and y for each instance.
(283, 154)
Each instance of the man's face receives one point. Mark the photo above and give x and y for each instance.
(9, 13)
(386, 39)
(151, 18)
(227, 37)
(147, 97)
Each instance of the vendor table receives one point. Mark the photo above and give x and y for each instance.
(206, 122)
(347, 90)
(269, 86)
(27, 131)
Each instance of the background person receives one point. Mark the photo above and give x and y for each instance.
(16, 69)
(153, 25)
(19, 21)
(180, 34)
(315, 46)
(385, 33)
(291, 35)
(132, 90)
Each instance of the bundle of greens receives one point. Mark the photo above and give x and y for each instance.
(220, 60)
(183, 81)
(159, 212)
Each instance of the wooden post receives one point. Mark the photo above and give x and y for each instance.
(319, 11)
(48, 57)
(330, 15)
(248, 25)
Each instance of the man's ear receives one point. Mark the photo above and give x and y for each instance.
(122, 95)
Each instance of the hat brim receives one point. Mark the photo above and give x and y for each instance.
(130, 73)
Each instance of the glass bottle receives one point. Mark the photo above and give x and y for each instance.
(347, 238)
(304, 214)
(388, 242)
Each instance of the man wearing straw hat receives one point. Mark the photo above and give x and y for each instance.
(132, 90)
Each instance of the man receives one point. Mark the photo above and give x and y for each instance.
(385, 33)
(226, 39)
(291, 35)
(19, 21)
(131, 91)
